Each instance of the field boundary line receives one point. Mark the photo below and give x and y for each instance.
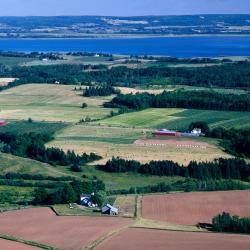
(105, 237)
(27, 242)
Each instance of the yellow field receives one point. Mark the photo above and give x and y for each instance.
(126, 205)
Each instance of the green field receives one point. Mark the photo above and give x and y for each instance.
(22, 127)
(10, 163)
(48, 102)
(180, 119)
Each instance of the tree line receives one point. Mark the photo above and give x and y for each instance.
(231, 224)
(208, 100)
(226, 75)
(218, 169)
(32, 146)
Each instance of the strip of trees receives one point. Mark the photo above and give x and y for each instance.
(225, 75)
(231, 224)
(33, 146)
(103, 90)
(208, 100)
(218, 169)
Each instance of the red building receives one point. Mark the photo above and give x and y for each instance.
(3, 123)
(166, 132)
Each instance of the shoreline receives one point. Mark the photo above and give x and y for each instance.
(123, 36)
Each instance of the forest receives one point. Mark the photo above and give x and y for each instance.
(218, 169)
(209, 100)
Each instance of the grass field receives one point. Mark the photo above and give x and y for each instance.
(180, 119)
(47, 102)
(22, 127)
(10, 163)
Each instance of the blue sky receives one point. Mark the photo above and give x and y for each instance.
(121, 7)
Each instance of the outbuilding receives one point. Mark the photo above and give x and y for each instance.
(108, 209)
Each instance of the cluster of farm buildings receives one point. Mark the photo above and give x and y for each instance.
(165, 132)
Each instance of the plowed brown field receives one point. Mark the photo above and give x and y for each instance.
(192, 208)
(70, 232)
(145, 239)
(12, 245)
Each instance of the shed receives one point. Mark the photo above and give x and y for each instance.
(108, 209)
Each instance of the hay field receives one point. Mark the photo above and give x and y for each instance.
(49, 102)
(180, 118)
(119, 142)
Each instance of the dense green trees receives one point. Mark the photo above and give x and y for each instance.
(209, 100)
(234, 224)
(70, 192)
(103, 90)
(218, 169)
(225, 75)
(33, 146)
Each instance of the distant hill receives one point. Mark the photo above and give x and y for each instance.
(96, 26)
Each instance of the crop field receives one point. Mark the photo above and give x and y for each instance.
(180, 119)
(119, 142)
(70, 233)
(140, 239)
(49, 102)
(193, 208)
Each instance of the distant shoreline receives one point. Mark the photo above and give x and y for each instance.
(104, 36)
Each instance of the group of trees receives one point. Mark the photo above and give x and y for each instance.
(209, 100)
(235, 141)
(103, 90)
(217, 169)
(33, 146)
(70, 192)
(233, 224)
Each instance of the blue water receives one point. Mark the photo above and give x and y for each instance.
(208, 46)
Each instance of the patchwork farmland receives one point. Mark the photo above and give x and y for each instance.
(70, 233)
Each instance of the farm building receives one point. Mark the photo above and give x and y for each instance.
(3, 123)
(86, 200)
(108, 209)
(166, 132)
